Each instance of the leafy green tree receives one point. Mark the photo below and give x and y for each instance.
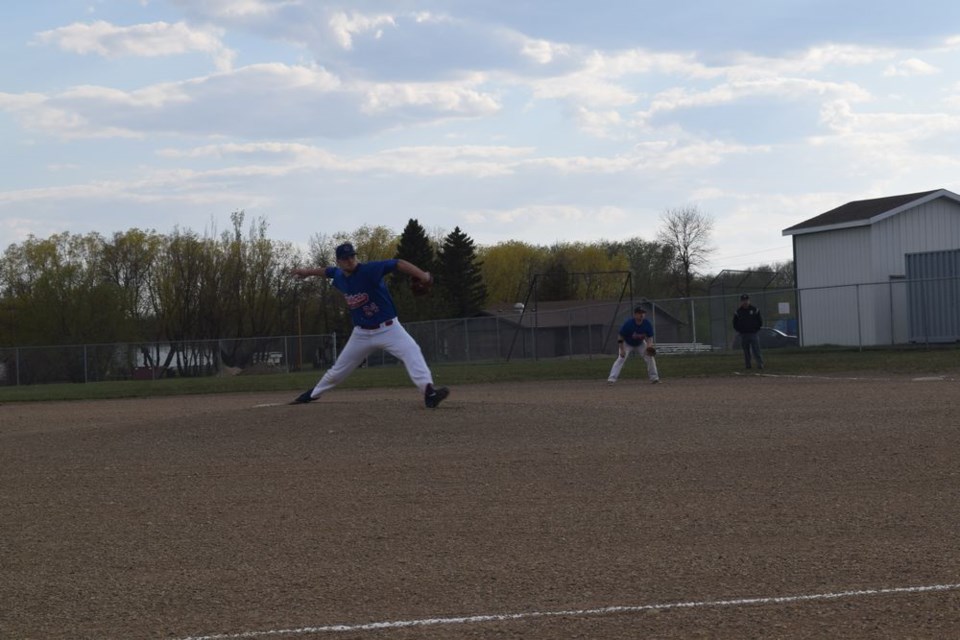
(556, 282)
(127, 262)
(56, 290)
(62, 294)
(460, 276)
(783, 274)
(592, 271)
(250, 288)
(371, 243)
(508, 269)
(651, 266)
(179, 293)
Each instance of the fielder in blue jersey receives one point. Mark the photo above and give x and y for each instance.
(375, 323)
(635, 336)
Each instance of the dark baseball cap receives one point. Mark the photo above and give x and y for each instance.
(744, 297)
(639, 309)
(345, 251)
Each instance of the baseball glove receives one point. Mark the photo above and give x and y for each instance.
(651, 351)
(421, 287)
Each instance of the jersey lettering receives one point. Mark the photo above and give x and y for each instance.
(356, 300)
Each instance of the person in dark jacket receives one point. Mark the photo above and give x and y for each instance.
(747, 322)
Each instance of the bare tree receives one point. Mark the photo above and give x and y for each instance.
(687, 231)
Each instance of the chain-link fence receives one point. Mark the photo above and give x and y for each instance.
(901, 311)
(155, 360)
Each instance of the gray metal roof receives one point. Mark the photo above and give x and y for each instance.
(864, 212)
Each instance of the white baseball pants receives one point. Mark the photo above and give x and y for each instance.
(394, 339)
(619, 362)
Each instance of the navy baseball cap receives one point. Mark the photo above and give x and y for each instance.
(744, 297)
(639, 309)
(345, 251)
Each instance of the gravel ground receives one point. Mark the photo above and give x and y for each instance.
(693, 504)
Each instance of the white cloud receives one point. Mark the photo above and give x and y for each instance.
(345, 26)
(543, 51)
(546, 216)
(243, 102)
(238, 9)
(911, 67)
(886, 128)
(143, 40)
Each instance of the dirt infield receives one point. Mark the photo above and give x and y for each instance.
(693, 504)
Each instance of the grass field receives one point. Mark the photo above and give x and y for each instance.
(901, 361)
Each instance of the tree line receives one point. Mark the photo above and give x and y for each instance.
(142, 286)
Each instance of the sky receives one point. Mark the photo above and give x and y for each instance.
(543, 121)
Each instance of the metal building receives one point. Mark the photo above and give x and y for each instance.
(852, 269)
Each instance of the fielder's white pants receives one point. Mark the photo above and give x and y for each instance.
(394, 339)
(640, 349)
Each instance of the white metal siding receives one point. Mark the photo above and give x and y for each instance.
(829, 315)
(833, 257)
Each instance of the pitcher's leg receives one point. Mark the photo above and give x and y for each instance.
(402, 346)
(356, 350)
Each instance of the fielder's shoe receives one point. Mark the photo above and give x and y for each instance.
(304, 397)
(611, 381)
(434, 396)
(657, 381)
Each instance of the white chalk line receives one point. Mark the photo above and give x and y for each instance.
(505, 617)
(269, 404)
(871, 379)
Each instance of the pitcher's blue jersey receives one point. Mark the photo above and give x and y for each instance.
(633, 334)
(366, 292)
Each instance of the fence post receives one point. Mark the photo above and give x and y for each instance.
(693, 320)
(570, 333)
(466, 338)
(497, 325)
(84, 364)
(533, 332)
(16, 352)
(859, 322)
(893, 328)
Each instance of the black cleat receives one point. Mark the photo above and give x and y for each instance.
(434, 396)
(304, 397)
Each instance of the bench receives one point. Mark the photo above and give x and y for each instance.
(664, 348)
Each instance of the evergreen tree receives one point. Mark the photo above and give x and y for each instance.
(556, 283)
(460, 277)
(415, 247)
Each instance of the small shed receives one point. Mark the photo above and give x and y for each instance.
(856, 284)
